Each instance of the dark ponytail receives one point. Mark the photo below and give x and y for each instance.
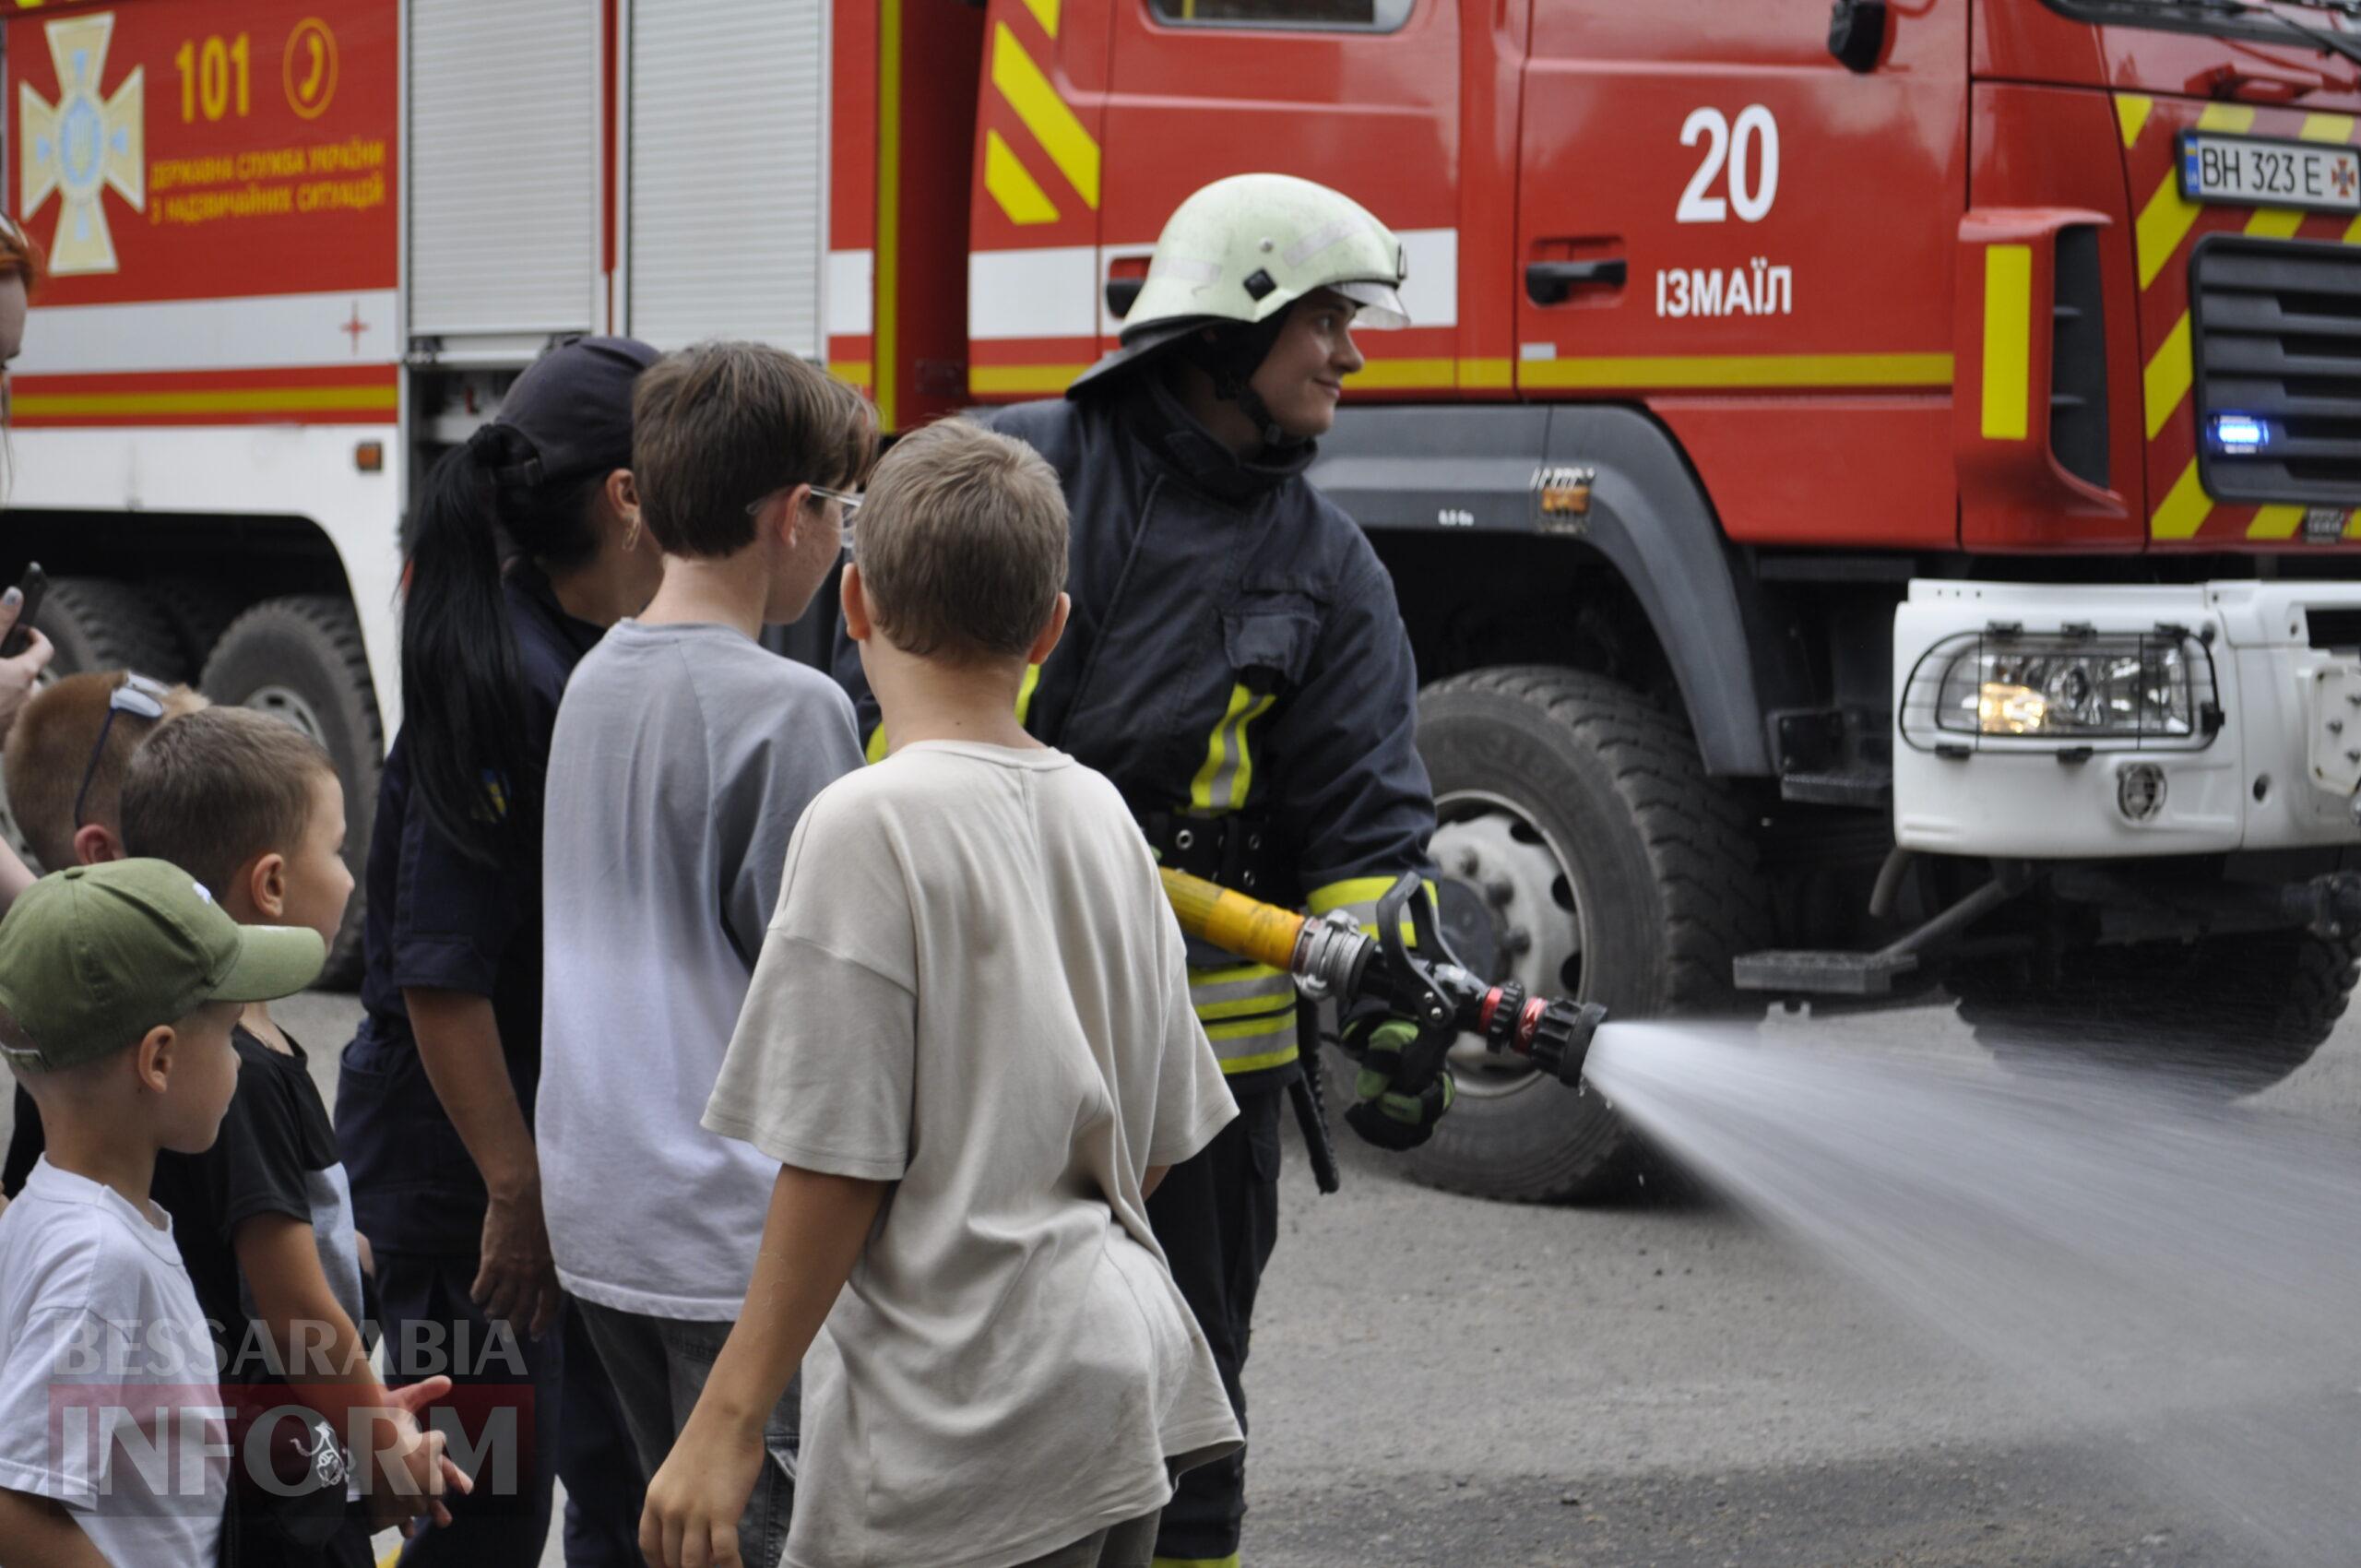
(471, 760)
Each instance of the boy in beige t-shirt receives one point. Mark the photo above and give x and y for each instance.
(968, 1043)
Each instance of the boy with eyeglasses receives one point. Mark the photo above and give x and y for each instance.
(684, 756)
(65, 758)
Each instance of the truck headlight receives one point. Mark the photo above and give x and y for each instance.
(2136, 687)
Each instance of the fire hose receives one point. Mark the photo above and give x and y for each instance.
(1416, 977)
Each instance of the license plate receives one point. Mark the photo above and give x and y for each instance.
(2253, 172)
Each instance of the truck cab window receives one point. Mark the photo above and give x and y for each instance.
(1327, 16)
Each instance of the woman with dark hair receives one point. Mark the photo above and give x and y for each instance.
(528, 546)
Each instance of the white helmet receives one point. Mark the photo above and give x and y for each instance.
(1243, 249)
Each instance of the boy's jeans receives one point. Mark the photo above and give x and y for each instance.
(658, 1366)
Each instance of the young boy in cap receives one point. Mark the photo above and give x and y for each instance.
(119, 985)
(972, 997)
(66, 755)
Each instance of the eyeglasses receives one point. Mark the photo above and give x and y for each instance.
(849, 500)
(141, 697)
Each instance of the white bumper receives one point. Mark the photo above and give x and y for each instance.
(2279, 772)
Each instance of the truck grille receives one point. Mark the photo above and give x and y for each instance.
(2276, 335)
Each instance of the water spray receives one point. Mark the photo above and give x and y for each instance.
(1408, 966)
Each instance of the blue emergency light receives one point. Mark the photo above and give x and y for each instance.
(2239, 433)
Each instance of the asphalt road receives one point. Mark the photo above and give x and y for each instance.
(1655, 1383)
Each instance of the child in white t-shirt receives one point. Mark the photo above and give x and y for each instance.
(968, 1043)
(119, 985)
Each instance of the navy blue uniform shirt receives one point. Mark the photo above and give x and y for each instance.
(440, 920)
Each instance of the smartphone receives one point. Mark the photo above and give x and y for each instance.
(34, 585)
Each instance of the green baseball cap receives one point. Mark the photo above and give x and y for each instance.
(92, 957)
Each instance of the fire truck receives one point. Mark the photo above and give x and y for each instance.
(1871, 485)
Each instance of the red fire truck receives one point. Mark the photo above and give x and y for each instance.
(1872, 485)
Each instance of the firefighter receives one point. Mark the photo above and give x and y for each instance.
(1237, 665)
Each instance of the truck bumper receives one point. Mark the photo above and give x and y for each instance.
(2251, 739)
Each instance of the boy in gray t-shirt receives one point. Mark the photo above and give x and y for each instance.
(971, 999)
(683, 755)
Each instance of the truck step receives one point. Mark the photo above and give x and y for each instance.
(1814, 972)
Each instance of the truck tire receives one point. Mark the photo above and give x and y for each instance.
(1616, 870)
(2227, 1015)
(301, 657)
(196, 610)
(99, 623)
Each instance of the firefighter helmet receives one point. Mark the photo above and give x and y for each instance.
(1243, 249)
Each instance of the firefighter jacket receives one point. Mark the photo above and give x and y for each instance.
(1237, 665)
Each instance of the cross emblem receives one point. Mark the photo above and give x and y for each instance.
(2343, 178)
(354, 327)
(82, 144)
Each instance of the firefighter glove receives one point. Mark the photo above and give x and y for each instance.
(1402, 1088)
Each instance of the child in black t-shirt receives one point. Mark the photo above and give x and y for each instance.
(252, 808)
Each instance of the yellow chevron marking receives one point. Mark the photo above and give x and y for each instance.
(2168, 377)
(1046, 13)
(2353, 232)
(2327, 128)
(2008, 343)
(2185, 508)
(2131, 113)
(1055, 125)
(2276, 222)
(2162, 224)
(2275, 522)
(2236, 118)
(1019, 193)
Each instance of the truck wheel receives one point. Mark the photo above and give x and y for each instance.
(196, 610)
(301, 657)
(2227, 1014)
(99, 623)
(1585, 853)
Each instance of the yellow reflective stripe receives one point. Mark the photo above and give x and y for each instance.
(877, 747)
(1223, 976)
(2166, 380)
(2008, 340)
(1053, 124)
(1233, 1066)
(1221, 781)
(1252, 1029)
(1255, 991)
(1046, 13)
(1013, 186)
(2131, 113)
(1352, 890)
(983, 379)
(1025, 691)
(1739, 370)
(2327, 128)
(2236, 118)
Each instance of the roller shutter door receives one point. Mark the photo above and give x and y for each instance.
(727, 166)
(503, 166)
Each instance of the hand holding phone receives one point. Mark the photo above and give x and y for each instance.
(33, 586)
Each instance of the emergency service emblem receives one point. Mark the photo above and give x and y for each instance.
(83, 143)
